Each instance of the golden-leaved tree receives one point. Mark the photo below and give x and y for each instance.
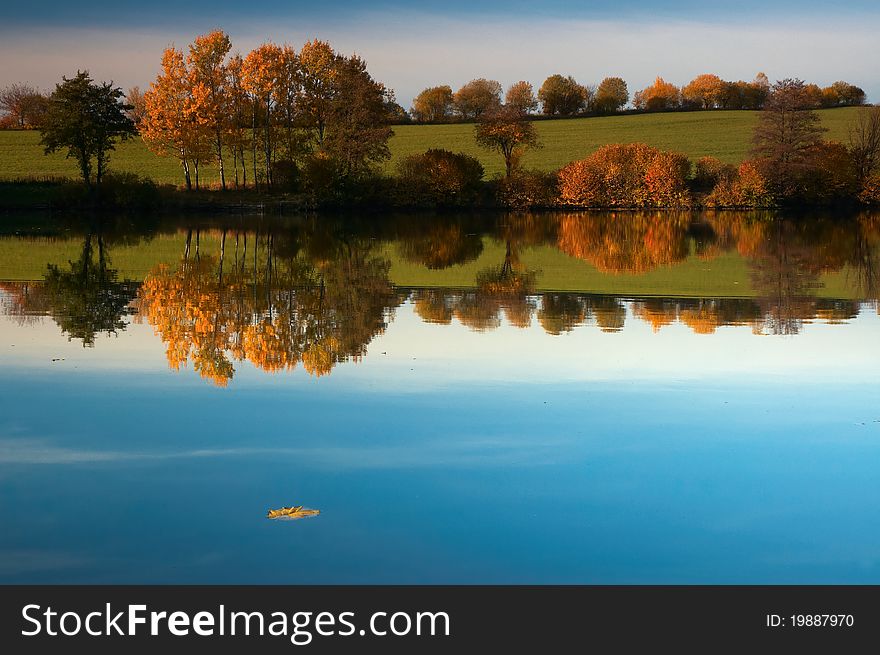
(171, 124)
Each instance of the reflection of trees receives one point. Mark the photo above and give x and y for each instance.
(25, 302)
(625, 243)
(85, 297)
(271, 305)
(440, 245)
(508, 286)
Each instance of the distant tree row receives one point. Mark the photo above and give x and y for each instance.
(709, 91)
(558, 96)
(563, 96)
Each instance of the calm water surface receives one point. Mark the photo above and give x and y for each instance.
(534, 399)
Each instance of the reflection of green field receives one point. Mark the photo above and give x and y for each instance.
(723, 134)
(724, 276)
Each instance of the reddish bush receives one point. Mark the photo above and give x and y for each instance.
(748, 188)
(626, 175)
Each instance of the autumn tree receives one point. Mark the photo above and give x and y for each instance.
(138, 112)
(357, 118)
(288, 96)
(23, 104)
(476, 98)
(86, 119)
(562, 96)
(318, 64)
(206, 64)
(169, 126)
(843, 94)
(260, 73)
(611, 95)
(240, 116)
(660, 96)
(507, 131)
(705, 91)
(521, 97)
(815, 97)
(787, 134)
(433, 105)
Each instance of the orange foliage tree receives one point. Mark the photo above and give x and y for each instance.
(660, 96)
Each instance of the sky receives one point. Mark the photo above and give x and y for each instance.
(409, 46)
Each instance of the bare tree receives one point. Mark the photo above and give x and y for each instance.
(864, 143)
(138, 111)
(787, 133)
(24, 104)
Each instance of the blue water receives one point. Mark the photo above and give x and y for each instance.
(466, 474)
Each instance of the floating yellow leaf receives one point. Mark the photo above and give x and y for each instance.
(291, 513)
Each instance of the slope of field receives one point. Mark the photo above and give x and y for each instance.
(723, 134)
(725, 276)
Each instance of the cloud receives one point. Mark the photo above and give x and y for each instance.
(473, 451)
(409, 50)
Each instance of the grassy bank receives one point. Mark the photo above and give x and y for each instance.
(725, 276)
(723, 134)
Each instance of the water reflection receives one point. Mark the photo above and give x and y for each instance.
(316, 293)
(268, 305)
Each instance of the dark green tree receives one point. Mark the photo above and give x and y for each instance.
(87, 119)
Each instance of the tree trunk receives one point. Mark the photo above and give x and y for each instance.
(268, 142)
(186, 175)
(254, 141)
(220, 161)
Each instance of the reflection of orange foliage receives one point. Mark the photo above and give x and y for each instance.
(657, 317)
(702, 319)
(624, 243)
(212, 315)
(319, 358)
(267, 344)
(431, 305)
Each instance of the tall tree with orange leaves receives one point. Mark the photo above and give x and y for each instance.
(170, 125)
(208, 81)
(319, 66)
(260, 74)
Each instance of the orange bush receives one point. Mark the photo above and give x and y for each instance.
(626, 175)
(747, 189)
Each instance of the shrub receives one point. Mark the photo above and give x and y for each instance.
(708, 171)
(527, 189)
(320, 175)
(117, 191)
(439, 177)
(830, 175)
(626, 175)
(285, 175)
(748, 188)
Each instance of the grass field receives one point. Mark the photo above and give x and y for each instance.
(723, 134)
(725, 276)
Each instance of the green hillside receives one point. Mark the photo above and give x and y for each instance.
(723, 134)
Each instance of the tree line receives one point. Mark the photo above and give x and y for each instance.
(563, 96)
(23, 106)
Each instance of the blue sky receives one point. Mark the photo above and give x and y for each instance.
(412, 45)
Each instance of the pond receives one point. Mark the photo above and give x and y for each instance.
(553, 398)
